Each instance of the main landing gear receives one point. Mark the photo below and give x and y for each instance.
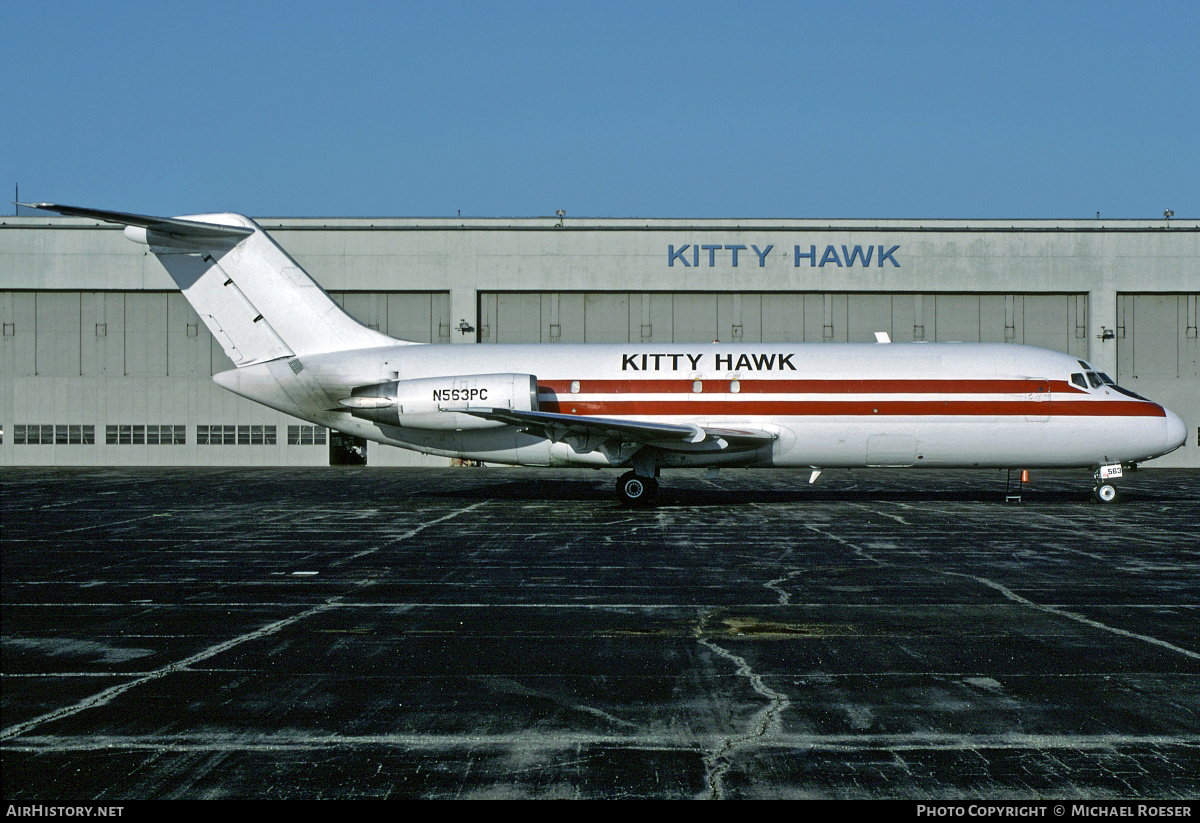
(635, 490)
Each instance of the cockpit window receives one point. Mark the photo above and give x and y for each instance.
(1099, 379)
(1128, 393)
(1078, 380)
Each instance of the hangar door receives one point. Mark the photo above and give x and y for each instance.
(420, 317)
(1158, 355)
(1157, 337)
(1055, 321)
(157, 334)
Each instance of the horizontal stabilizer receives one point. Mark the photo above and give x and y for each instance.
(164, 225)
(174, 226)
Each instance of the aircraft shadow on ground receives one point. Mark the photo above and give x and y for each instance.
(690, 495)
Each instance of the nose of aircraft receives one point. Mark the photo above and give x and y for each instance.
(1176, 431)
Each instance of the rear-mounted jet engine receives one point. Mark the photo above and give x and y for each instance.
(437, 403)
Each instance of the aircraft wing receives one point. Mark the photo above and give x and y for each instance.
(590, 433)
(164, 225)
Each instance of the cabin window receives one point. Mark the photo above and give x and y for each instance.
(1078, 380)
(574, 387)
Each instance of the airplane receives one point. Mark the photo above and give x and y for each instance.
(643, 407)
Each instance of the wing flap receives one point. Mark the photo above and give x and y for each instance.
(589, 432)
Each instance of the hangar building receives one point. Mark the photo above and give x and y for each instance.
(102, 361)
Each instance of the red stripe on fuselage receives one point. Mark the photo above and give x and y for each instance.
(772, 386)
(737, 406)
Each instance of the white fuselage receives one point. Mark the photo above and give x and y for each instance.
(827, 405)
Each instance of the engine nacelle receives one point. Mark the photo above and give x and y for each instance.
(437, 402)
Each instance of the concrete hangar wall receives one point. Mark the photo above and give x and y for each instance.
(102, 362)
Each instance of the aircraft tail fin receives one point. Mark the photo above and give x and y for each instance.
(257, 302)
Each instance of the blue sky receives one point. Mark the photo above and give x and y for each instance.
(613, 109)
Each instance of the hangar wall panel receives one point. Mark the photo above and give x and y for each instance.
(1055, 321)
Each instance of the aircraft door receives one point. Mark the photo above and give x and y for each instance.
(1038, 403)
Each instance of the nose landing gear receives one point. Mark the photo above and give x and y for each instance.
(1105, 491)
